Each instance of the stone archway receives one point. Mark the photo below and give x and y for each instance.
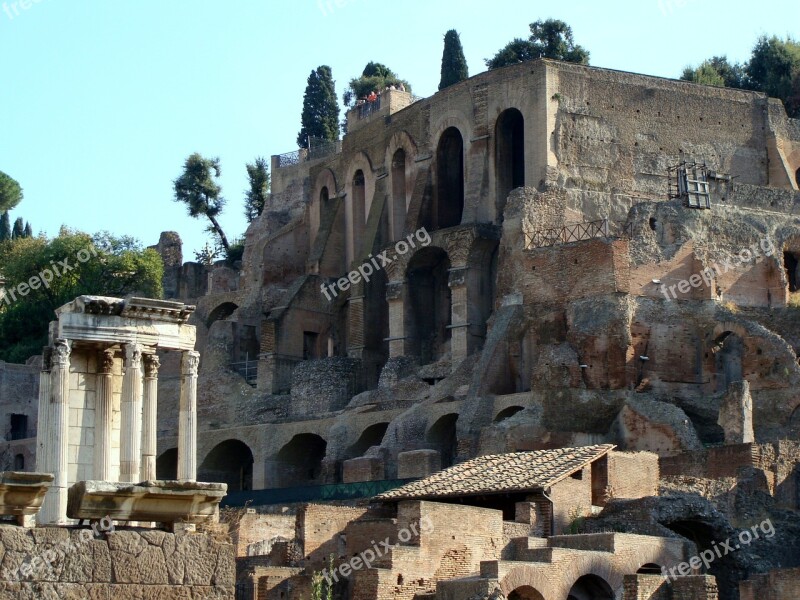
(590, 587)
(525, 592)
(449, 198)
(430, 304)
(442, 436)
(299, 462)
(509, 156)
(229, 462)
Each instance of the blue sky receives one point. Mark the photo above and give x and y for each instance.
(101, 102)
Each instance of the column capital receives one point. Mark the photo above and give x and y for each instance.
(132, 353)
(106, 361)
(190, 362)
(60, 352)
(151, 366)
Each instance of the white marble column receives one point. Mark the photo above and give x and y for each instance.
(103, 416)
(130, 453)
(187, 424)
(150, 417)
(43, 419)
(56, 448)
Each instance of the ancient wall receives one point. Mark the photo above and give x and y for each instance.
(572, 498)
(121, 564)
(783, 584)
(632, 474)
(255, 531)
(19, 395)
(320, 528)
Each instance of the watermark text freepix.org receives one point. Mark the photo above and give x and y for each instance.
(12, 8)
(764, 247)
(369, 268)
(370, 555)
(45, 277)
(32, 567)
(708, 556)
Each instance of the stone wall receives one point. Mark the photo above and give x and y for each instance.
(776, 585)
(119, 565)
(19, 395)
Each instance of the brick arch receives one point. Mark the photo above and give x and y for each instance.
(401, 189)
(447, 120)
(325, 179)
(360, 162)
(400, 140)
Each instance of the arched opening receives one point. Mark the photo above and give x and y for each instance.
(300, 460)
(371, 436)
(706, 537)
(797, 177)
(442, 437)
(398, 193)
(429, 295)
(220, 313)
(507, 413)
(509, 155)
(649, 569)
(230, 462)
(19, 462)
(790, 264)
(591, 587)
(167, 465)
(728, 352)
(449, 179)
(358, 211)
(525, 592)
(324, 196)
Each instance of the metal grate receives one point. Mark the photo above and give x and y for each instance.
(564, 235)
(689, 181)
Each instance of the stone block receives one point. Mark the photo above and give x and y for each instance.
(418, 463)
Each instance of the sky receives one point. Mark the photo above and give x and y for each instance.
(101, 102)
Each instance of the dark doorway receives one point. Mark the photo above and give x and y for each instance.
(359, 212)
(167, 465)
(398, 194)
(371, 436)
(230, 462)
(450, 179)
(300, 461)
(591, 587)
(442, 437)
(429, 291)
(728, 358)
(790, 264)
(525, 592)
(19, 427)
(509, 155)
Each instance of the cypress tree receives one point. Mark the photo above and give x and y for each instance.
(454, 64)
(320, 117)
(5, 227)
(19, 229)
(28, 230)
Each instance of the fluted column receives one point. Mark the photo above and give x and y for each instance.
(56, 449)
(43, 419)
(150, 417)
(187, 424)
(103, 416)
(131, 408)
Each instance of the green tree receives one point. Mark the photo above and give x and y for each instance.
(549, 39)
(256, 197)
(454, 63)
(111, 266)
(10, 193)
(5, 227)
(28, 230)
(198, 190)
(320, 116)
(773, 66)
(375, 77)
(717, 71)
(18, 231)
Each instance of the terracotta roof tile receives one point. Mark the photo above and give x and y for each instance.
(500, 473)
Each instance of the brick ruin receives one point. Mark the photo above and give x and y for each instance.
(554, 282)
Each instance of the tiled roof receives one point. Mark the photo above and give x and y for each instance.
(500, 473)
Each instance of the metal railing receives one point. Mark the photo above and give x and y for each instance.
(578, 232)
(320, 148)
(247, 369)
(288, 159)
(310, 493)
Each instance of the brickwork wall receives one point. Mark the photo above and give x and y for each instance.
(319, 529)
(121, 564)
(255, 527)
(646, 587)
(632, 474)
(365, 468)
(571, 498)
(776, 585)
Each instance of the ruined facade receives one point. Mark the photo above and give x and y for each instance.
(543, 256)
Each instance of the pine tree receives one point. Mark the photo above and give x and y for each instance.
(18, 232)
(5, 227)
(28, 230)
(256, 197)
(320, 117)
(454, 64)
